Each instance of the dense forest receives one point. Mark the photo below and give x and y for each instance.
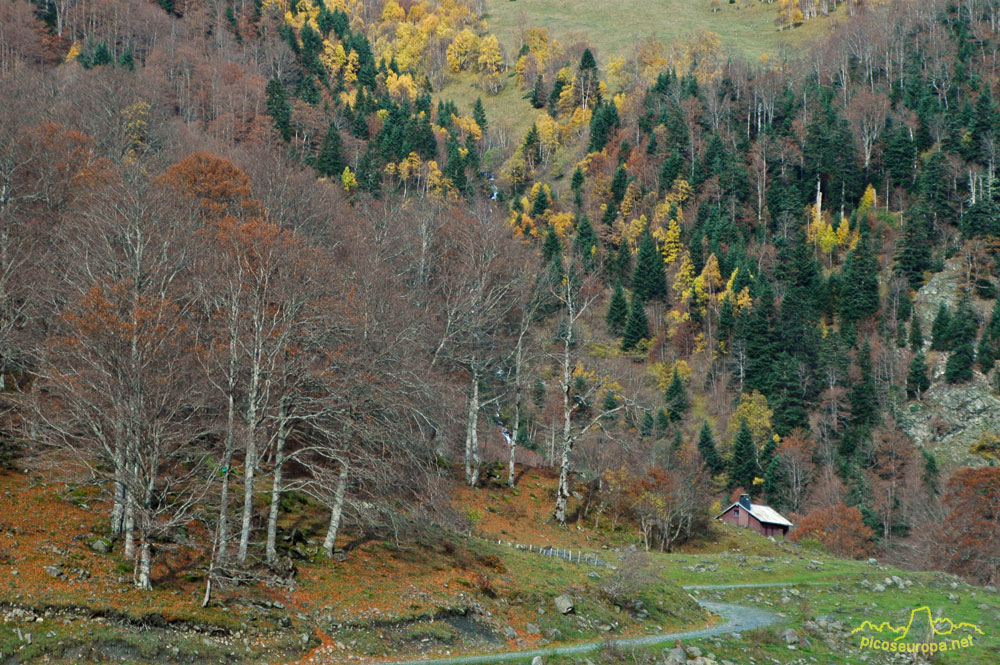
(248, 249)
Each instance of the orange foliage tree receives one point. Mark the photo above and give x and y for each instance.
(839, 528)
(970, 535)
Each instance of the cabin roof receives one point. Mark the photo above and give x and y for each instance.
(761, 512)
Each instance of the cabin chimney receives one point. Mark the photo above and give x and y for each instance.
(745, 501)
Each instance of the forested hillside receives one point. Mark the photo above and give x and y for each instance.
(253, 257)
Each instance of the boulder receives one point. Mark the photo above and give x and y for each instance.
(676, 656)
(564, 604)
(790, 636)
(537, 660)
(100, 545)
(532, 629)
(693, 652)
(509, 632)
(54, 571)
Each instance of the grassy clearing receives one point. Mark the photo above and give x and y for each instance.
(616, 27)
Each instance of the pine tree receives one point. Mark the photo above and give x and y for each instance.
(709, 453)
(859, 297)
(913, 254)
(964, 322)
(278, 108)
(776, 483)
(917, 381)
(622, 265)
(677, 398)
(619, 183)
(959, 366)
(649, 280)
(940, 331)
(931, 472)
(916, 337)
(862, 396)
(552, 247)
(662, 421)
(585, 242)
(617, 311)
(743, 463)
(648, 424)
(330, 163)
(577, 186)
(989, 344)
(479, 115)
(637, 326)
(540, 204)
(538, 93)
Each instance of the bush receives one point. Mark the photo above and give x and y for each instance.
(840, 529)
(632, 577)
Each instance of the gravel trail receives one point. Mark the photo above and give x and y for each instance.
(738, 618)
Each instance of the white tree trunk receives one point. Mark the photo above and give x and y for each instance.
(279, 461)
(250, 464)
(118, 508)
(336, 511)
(145, 565)
(472, 462)
(129, 525)
(562, 492)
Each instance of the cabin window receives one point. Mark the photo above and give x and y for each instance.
(736, 512)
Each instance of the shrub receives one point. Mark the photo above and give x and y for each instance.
(839, 528)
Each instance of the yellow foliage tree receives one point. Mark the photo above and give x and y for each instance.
(489, 55)
(754, 408)
(463, 51)
(671, 243)
(684, 279)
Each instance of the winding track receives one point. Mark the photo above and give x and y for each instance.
(738, 618)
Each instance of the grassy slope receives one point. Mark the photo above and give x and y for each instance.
(442, 594)
(616, 27)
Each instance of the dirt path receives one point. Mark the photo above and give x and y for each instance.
(738, 618)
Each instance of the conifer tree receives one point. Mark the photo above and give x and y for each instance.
(648, 424)
(617, 311)
(479, 115)
(964, 322)
(859, 297)
(989, 344)
(959, 366)
(709, 453)
(622, 265)
(619, 183)
(552, 247)
(916, 336)
(637, 326)
(776, 482)
(678, 442)
(585, 242)
(917, 381)
(278, 108)
(677, 398)
(913, 254)
(662, 421)
(577, 186)
(538, 94)
(649, 280)
(540, 204)
(743, 462)
(330, 163)
(941, 330)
